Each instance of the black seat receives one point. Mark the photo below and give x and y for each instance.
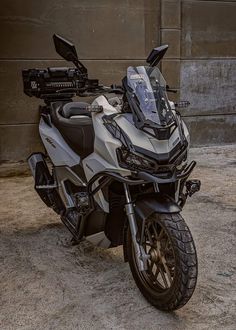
(74, 122)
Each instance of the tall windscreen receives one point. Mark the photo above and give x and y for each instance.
(149, 87)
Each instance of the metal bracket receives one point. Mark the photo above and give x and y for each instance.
(49, 186)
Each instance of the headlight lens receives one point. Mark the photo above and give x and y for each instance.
(133, 161)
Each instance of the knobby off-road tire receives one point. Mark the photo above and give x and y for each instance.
(171, 277)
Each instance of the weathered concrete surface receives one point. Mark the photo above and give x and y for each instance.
(101, 29)
(208, 29)
(218, 129)
(170, 14)
(171, 38)
(170, 70)
(19, 141)
(46, 283)
(171, 35)
(209, 85)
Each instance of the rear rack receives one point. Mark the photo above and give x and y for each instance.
(57, 83)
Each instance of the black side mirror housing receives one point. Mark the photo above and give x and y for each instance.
(67, 50)
(156, 55)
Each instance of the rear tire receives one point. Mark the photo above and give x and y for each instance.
(171, 277)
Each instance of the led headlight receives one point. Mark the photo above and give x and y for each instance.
(134, 161)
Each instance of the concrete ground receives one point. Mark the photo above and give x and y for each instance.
(45, 283)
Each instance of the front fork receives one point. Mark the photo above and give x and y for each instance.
(141, 255)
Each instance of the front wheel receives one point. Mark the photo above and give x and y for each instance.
(171, 275)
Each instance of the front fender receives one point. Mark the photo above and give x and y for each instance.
(147, 204)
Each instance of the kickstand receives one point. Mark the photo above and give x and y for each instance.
(75, 241)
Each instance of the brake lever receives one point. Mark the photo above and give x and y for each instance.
(170, 90)
(116, 91)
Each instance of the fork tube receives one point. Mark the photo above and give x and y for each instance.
(140, 254)
(127, 194)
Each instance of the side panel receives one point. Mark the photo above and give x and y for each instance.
(64, 173)
(104, 155)
(58, 150)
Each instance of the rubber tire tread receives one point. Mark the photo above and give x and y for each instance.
(186, 264)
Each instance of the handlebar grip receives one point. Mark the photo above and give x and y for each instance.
(94, 108)
(182, 104)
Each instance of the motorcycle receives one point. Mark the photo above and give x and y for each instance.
(116, 169)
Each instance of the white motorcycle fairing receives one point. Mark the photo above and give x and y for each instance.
(104, 157)
(58, 150)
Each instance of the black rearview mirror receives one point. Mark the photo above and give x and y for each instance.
(156, 55)
(66, 50)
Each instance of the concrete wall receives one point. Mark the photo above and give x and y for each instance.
(110, 35)
(202, 64)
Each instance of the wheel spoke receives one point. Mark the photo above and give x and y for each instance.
(167, 243)
(149, 236)
(157, 271)
(147, 247)
(155, 231)
(166, 269)
(163, 277)
(151, 265)
(161, 234)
